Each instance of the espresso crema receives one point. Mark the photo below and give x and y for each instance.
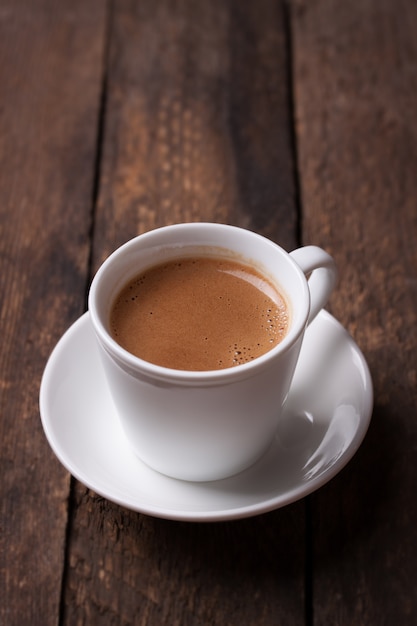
(199, 313)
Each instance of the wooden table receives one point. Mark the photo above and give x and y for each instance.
(296, 120)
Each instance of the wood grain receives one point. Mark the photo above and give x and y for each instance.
(128, 568)
(50, 64)
(198, 120)
(356, 94)
(197, 127)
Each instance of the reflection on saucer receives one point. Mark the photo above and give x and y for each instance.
(337, 439)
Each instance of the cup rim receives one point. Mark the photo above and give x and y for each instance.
(138, 366)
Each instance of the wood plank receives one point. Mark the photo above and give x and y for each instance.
(50, 74)
(356, 96)
(199, 121)
(197, 128)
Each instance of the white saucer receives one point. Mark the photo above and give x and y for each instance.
(326, 418)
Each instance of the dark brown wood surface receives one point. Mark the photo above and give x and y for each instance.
(50, 69)
(355, 77)
(296, 120)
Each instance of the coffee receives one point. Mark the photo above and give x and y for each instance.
(199, 313)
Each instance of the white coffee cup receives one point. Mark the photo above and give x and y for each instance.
(207, 425)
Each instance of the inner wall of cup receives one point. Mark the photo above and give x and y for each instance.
(165, 244)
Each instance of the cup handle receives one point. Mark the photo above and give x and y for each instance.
(315, 261)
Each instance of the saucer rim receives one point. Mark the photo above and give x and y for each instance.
(233, 513)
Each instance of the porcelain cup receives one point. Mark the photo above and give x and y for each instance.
(207, 425)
